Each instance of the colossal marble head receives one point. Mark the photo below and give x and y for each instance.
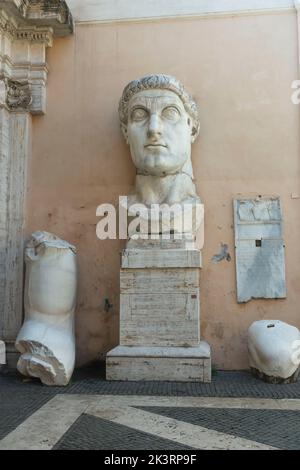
(159, 120)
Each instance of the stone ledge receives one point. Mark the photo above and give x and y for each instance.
(173, 258)
(107, 11)
(201, 351)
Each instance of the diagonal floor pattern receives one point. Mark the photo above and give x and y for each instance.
(235, 410)
(279, 428)
(90, 432)
(148, 422)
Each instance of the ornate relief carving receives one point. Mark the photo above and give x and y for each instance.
(18, 94)
(7, 26)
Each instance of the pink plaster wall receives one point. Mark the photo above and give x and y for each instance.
(240, 71)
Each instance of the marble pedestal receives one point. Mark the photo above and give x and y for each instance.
(160, 315)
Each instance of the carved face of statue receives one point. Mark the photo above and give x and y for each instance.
(159, 132)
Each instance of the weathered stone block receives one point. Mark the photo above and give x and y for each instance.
(154, 363)
(160, 319)
(157, 281)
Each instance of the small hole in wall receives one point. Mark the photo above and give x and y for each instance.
(107, 305)
(271, 326)
(257, 242)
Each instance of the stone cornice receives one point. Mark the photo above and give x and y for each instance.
(111, 11)
(36, 34)
(28, 33)
(53, 14)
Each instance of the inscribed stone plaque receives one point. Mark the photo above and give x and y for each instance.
(260, 261)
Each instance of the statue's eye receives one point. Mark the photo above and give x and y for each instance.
(139, 114)
(171, 113)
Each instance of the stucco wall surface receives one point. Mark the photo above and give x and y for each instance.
(240, 70)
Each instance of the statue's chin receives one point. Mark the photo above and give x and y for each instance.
(156, 163)
(159, 169)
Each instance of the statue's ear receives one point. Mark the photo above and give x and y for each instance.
(195, 127)
(125, 133)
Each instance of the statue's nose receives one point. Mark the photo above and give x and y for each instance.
(155, 126)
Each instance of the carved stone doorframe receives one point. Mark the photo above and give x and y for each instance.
(27, 28)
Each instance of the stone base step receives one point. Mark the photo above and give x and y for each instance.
(132, 363)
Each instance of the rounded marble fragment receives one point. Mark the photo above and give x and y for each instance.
(274, 351)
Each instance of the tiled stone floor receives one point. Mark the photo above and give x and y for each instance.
(235, 411)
